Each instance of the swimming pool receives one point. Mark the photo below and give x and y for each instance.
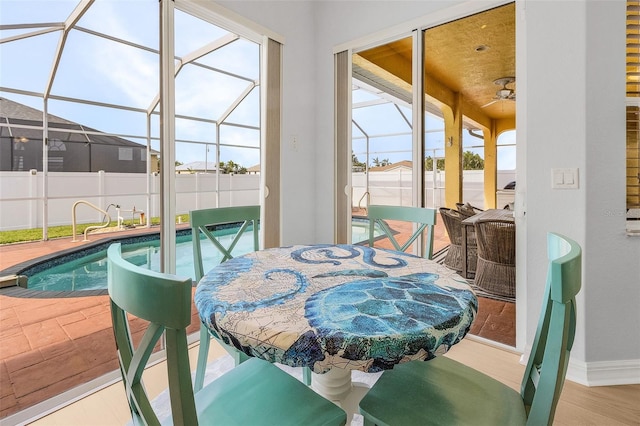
(86, 269)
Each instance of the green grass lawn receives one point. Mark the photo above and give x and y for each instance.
(35, 234)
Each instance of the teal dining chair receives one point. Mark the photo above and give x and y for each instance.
(253, 393)
(202, 222)
(423, 218)
(445, 392)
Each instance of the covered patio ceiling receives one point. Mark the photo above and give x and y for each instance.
(465, 56)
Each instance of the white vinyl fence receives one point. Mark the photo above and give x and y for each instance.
(22, 194)
(394, 188)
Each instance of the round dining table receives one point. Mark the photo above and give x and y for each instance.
(336, 308)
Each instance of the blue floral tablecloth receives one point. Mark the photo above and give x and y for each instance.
(346, 306)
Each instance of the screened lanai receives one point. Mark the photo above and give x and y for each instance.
(92, 70)
(97, 64)
(382, 143)
(101, 100)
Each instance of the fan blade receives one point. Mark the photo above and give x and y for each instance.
(490, 103)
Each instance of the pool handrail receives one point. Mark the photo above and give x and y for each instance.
(366, 194)
(88, 228)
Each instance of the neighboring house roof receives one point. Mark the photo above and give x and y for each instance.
(197, 166)
(10, 109)
(254, 169)
(14, 113)
(406, 164)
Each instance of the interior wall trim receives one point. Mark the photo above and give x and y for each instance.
(229, 20)
(605, 373)
(599, 373)
(342, 148)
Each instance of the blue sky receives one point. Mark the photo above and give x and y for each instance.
(98, 69)
(101, 70)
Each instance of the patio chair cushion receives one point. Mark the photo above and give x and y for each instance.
(467, 209)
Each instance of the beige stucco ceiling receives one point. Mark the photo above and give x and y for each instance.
(463, 57)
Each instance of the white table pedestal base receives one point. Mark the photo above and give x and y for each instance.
(336, 385)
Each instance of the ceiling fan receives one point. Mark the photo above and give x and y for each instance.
(505, 93)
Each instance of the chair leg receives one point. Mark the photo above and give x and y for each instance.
(368, 422)
(238, 357)
(306, 376)
(203, 354)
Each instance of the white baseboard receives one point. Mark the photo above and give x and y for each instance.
(605, 373)
(599, 373)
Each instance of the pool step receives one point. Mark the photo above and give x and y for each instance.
(13, 280)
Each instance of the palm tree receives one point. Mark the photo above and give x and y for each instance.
(472, 161)
(357, 165)
(428, 163)
(380, 163)
(232, 167)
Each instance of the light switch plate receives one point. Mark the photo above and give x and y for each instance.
(564, 178)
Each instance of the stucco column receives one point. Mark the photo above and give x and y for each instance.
(490, 167)
(453, 151)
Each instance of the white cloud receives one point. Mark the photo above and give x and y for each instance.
(129, 71)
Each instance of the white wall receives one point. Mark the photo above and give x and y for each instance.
(338, 23)
(577, 49)
(612, 265)
(295, 22)
(549, 54)
(311, 29)
(570, 59)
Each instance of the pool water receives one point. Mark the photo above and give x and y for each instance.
(89, 272)
(360, 230)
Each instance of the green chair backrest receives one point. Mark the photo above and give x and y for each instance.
(549, 357)
(424, 218)
(201, 220)
(165, 302)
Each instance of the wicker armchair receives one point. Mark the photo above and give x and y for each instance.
(496, 269)
(453, 224)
